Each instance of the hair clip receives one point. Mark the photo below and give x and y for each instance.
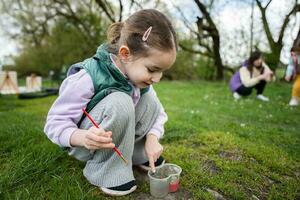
(146, 34)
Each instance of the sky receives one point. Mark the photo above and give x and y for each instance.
(8, 46)
(232, 21)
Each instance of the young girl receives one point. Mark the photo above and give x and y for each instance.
(115, 87)
(254, 74)
(293, 73)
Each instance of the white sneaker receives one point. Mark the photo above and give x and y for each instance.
(120, 190)
(236, 96)
(294, 102)
(262, 97)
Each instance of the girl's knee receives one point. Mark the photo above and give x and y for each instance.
(119, 105)
(151, 102)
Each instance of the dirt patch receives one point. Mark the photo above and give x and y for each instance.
(254, 197)
(253, 160)
(211, 167)
(140, 175)
(215, 194)
(196, 144)
(269, 180)
(231, 155)
(297, 173)
(180, 194)
(257, 193)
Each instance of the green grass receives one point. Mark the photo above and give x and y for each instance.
(238, 149)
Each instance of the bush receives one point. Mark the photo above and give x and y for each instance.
(65, 46)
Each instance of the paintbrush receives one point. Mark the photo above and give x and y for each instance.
(97, 126)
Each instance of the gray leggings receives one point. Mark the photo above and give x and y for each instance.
(129, 125)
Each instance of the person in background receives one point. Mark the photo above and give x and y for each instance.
(293, 73)
(253, 74)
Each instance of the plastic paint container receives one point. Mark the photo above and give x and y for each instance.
(164, 180)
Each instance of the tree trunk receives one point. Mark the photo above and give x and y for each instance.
(273, 58)
(217, 56)
(213, 32)
(297, 40)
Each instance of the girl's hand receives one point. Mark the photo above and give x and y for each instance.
(98, 138)
(288, 78)
(266, 75)
(94, 138)
(153, 150)
(269, 76)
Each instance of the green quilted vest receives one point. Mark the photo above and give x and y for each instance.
(106, 77)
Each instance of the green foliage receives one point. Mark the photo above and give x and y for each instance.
(190, 66)
(63, 47)
(205, 68)
(183, 67)
(272, 60)
(239, 149)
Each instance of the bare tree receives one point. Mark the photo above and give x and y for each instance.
(21, 15)
(297, 40)
(34, 18)
(208, 38)
(108, 8)
(251, 26)
(275, 45)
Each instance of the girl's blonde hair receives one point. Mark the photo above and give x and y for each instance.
(131, 31)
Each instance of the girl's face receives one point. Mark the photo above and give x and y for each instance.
(144, 71)
(258, 63)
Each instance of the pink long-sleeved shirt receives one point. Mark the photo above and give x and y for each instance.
(74, 94)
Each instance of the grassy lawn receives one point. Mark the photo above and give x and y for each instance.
(242, 150)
